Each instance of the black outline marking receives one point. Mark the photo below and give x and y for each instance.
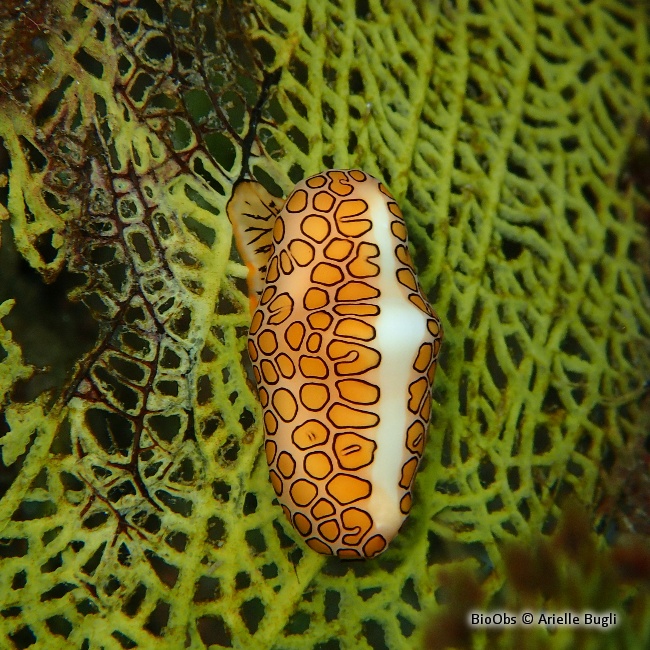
(427, 309)
(275, 408)
(295, 525)
(273, 267)
(267, 381)
(294, 241)
(319, 216)
(317, 452)
(347, 285)
(321, 176)
(428, 403)
(328, 194)
(407, 256)
(315, 516)
(321, 265)
(338, 453)
(272, 414)
(293, 365)
(293, 485)
(293, 195)
(274, 290)
(381, 550)
(271, 460)
(345, 181)
(390, 204)
(315, 444)
(279, 221)
(403, 270)
(399, 223)
(259, 346)
(340, 309)
(360, 381)
(312, 385)
(314, 336)
(354, 219)
(278, 312)
(363, 323)
(421, 349)
(411, 445)
(333, 520)
(319, 541)
(315, 289)
(253, 351)
(284, 454)
(254, 329)
(358, 171)
(365, 259)
(408, 485)
(264, 396)
(355, 478)
(273, 473)
(351, 426)
(412, 394)
(350, 357)
(439, 334)
(401, 501)
(284, 256)
(359, 534)
(336, 240)
(309, 358)
(297, 324)
(319, 314)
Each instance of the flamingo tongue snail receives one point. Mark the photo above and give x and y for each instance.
(344, 348)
